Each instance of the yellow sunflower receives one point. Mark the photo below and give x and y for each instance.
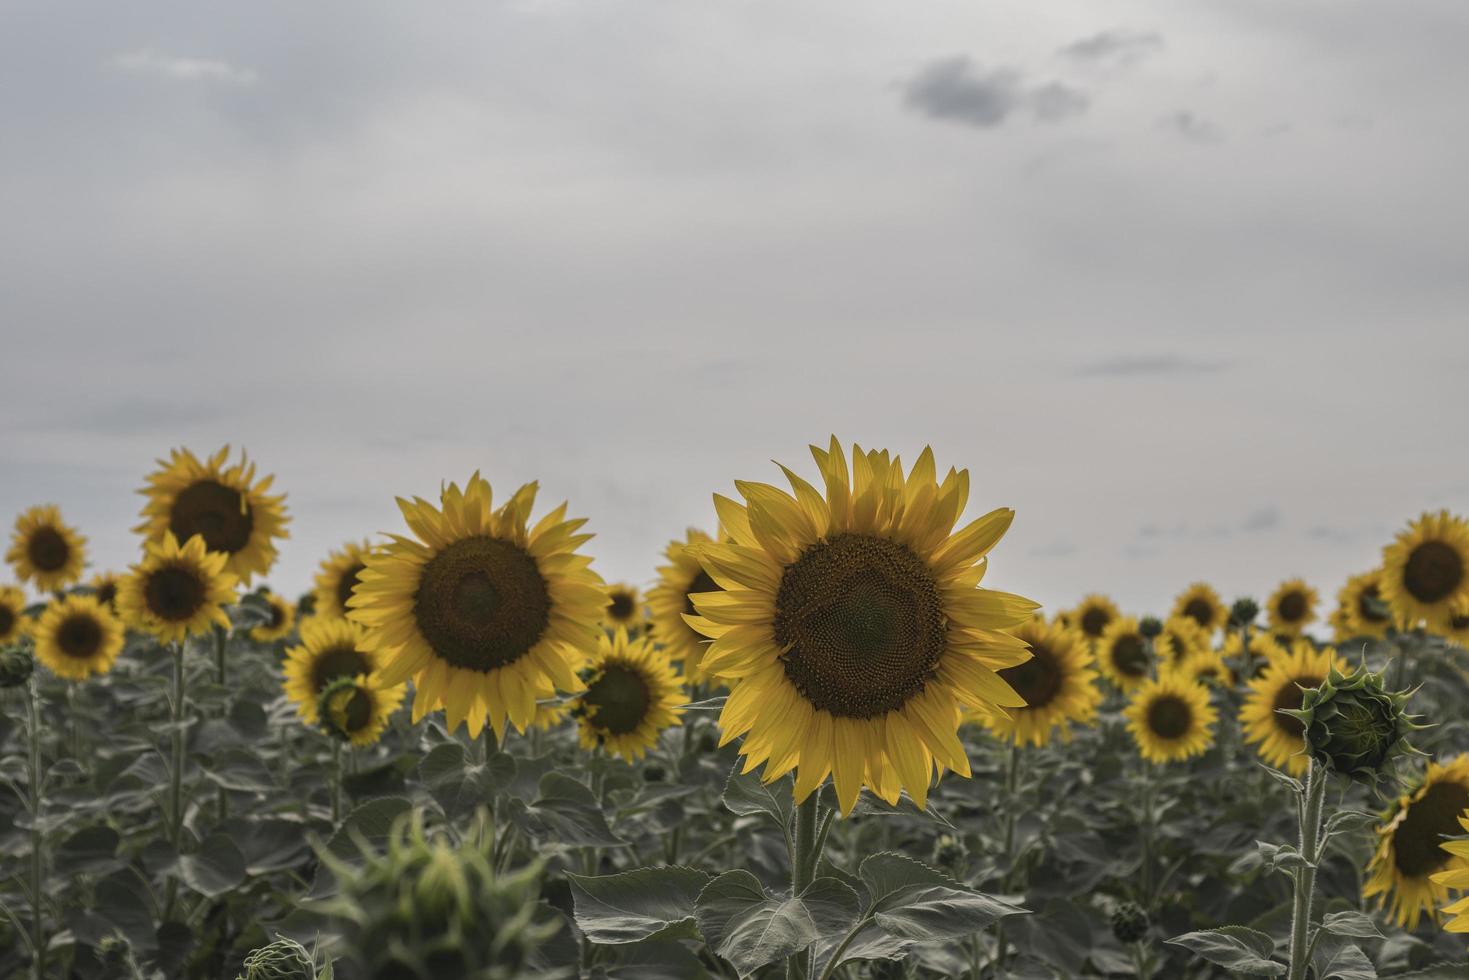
(1170, 718)
(852, 629)
(12, 614)
(104, 587)
(1058, 684)
(1409, 851)
(1093, 615)
(1280, 686)
(1200, 603)
(1291, 607)
(337, 578)
(1180, 641)
(77, 637)
(225, 505)
(1456, 877)
(624, 607)
(45, 551)
(1457, 628)
(632, 695)
(1363, 609)
(1123, 654)
(357, 709)
(176, 592)
(1263, 649)
(330, 648)
(669, 602)
(1207, 666)
(1425, 573)
(480, 608)
(282, 620)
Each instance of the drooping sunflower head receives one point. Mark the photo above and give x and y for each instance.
(632, 695)
(1201, 603)
(1058, 684)
(624, 608)
(1292, 606)
(177, 590)
(852, 629)
(669, 603)
(337, 577)
(1280, 687)
(1124, 654)
(1355, 727)
(1425, 571)
(330, 649)
(1093, 615)
(1363, 609)
(12, 614)
(46, 551)
(77, 637)
(1170, 718)
(481, 608)
(1410, 843)
(357, 709)
(226, 505)
(282, 619)
(1180, 641)
(1263, 649)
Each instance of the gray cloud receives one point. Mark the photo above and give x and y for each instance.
(1151, 365)
(1114, 48)
(1191, 126)
(148, 61)
(1262, 519)
(957, 90)
(1058, 548)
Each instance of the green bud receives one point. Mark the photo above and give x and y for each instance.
(1354, 726)
(284, 959)
(1129, 923)
(16, 666)
(1244, 612)
(1150, 626)
(949, 852)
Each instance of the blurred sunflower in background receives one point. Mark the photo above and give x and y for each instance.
(1409, 850)
(1425, 571)
(76, 637)
(12, 614)
(104, 587)
(1093, 615)
(1261, 650)
(336, 577)
(329, 649)
(632, 695)
(358, 709)
(624, 608)
(1058, 684)
(669, 602)
(177, 591)
(1279, 738)
(1208, 666)
(1201, 603)
(1291, 607)
(45, 551)
(1457, 628)
(225, 505)
(1180, 641)
(481, 609)
(1170, 718)
(1456, 877)
(282, 619)
(1123, 654)
(852, 629)
(1364, 611)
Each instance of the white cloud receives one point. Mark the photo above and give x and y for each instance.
(149, 61)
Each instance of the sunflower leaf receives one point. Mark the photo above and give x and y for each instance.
(218, 867)
(1352, 923)
(1336, 959)
(745, 794)
(750, 929)
(645, 903)
(1235, 948)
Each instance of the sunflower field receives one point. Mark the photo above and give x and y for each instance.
(820, 742)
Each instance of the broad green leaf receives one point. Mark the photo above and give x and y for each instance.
(216, 868)
(565, 812)
(88, 851)
(1351, 923)
(1336, 959)
(637, 905)
(1235, 948)
(748, 928)
(745, 794)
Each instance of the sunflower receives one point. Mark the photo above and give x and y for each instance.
(330, 648)
(1170, 718)
(1263, 649)
(1280, 687)
(1180, 641)
(45, 551)
(1123, 654)
(282, 620)
(337, 578)
(104, 587)
(1425, 573)
(12, 614)
(1058, 684)
(482, 610)
(632, 695)
(1208, 667)
(669, 602)
(1290, 607)
(357, 709)
(852, 629)
(1456, 628)
(1409, 854)
(1200, 603)
(1457, 877)
(77, 637)
(1093, 615)
(1364, 612)
(176, 592)
(227, 506)
(624, 607)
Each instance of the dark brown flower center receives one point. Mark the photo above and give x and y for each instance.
(335, 662)
(620, 606)
(7, 619)
(47, 549)
(174, 593)
(1289, 696)
(107, 593)
(1416, 850)
(1094, 621)
(1200, 612)
(621, 698)
(79, 636)
(1369, 605)
(482, 603)
(277, 614)
(1130, 655)
(1292, 607)
(1434, 571)
(1170, 717)
(216, 513)
(347, 583)
(357, 712)
(1039, 679)
(862, 624)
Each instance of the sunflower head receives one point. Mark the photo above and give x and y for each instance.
(357, 709)
(1180, 641)
(45, 551)
(1425, 571)
(16, 666)
(177, 591)
(12, 614)
(1361, 608)
(1130, 923)
(632, 695)
(1124, 654)
(1411, 859)
(669, 602)
(1354, 726)
(284, 959)
(337, 577)
(225, 505)
(1093, 615)
(1261, 650)
(330, 649)
(1291, 607)
(77, 637)
(1281, 688)
(104, 588)
(1201, 603)
(1058, 684)
(282, 619)
(624, 608)
(1456, 628)
(1170, 718)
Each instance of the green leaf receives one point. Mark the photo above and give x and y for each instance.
(1337, 959)
(1235, 948)
(457, 786)
(88, 851)
(1352, 923)
(750, 929)
(216, 868)
(1439, 971)
(745, 794)
(912, 901)
(566, 812)
(240, 770)
(1292, 783)
(372, 821)
(637, 905)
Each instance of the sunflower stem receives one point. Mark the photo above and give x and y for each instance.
(1400, 664)
(336, 781)
(1147, 834)
(221, 645)
(178, 691)
(804, 855)
(1012, 783)
(38, 841)
(1309, 803)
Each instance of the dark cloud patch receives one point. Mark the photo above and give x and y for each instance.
(1262, 519)
(1059, 548)
(1116, 48)
(957, 90)
(1151, 365)
(1191, 126)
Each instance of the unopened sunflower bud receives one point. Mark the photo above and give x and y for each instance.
(284, 959)
(949, 852)
(115, 951)
(1244, 612)
(1354, 726)
(16, 666)
(1129, 923)
(1150, 626)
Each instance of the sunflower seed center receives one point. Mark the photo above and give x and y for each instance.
(1416, 850)
(621, 698)
(1200, 612)
(1039, 679)
(334, 662)
(621, 607)
(1434, 571)
(1170, 717)
(1130, 655)
(48, 550)
(79, 636)
(7, 620)
(173, 593)
(216, 513)
(347, 583)
(482, 603)
(1094, 621)
(1289, 696)
(1292, 607)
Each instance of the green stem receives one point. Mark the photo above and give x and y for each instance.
(1309, 804)
(221, 646)
(1140, 961)
(1147, 835)
(1400, 666)
(1012, 783)
(803, 865)
(177, 693)
(38, 842)
(336, 781)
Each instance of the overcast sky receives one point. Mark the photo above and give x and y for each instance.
(1186, 283)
